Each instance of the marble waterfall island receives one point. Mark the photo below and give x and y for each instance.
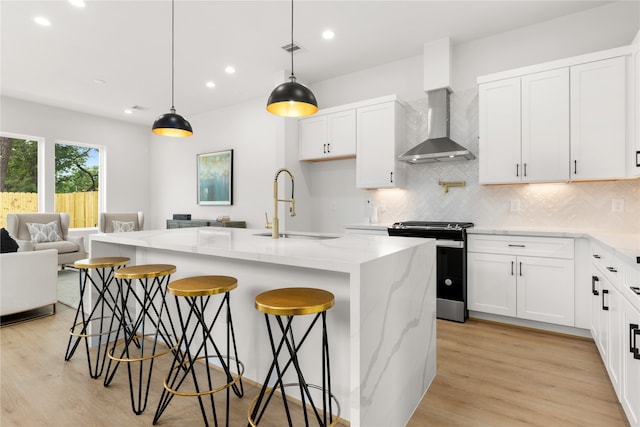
(382, 329)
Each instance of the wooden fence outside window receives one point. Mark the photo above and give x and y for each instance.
(82, 207)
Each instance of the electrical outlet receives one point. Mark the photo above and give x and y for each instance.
(515, 205)
(617, 205)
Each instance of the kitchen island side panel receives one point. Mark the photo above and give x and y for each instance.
(397, 335)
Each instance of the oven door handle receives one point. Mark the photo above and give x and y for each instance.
(450, 243)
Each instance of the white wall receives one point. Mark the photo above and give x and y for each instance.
(127, 148)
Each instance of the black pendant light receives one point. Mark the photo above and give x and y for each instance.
(291, 99)
(172, 124)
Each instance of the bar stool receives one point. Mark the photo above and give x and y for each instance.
(104, 309)
(285, 304)
(152, 323)
(197, 292)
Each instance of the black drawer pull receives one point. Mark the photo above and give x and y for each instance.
(516, 246)
(594, 279)
(604, 292)
(634, 331)
(596, 256)
(635, 289)
(612, 269)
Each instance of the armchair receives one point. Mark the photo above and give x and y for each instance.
(105, 221)
(70, 248)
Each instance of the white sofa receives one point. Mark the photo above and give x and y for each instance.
(70, 248)
(28, 280)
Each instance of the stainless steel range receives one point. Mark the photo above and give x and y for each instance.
(451, 261)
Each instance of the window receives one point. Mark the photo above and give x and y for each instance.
(18, 174)
(77, 183)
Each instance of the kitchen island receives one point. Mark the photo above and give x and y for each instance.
(382, 329)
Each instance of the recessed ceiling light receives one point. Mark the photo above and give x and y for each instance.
(230, 70)
(211, 85)
(41, 20)
(128, 111)
(328, 34)
(77, 3)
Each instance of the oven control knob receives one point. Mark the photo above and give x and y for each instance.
(448, 282)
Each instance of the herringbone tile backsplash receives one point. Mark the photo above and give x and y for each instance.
(561, 205)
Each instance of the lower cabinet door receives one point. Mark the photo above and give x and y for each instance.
(545, 290)
(491, 283)
(630, 387)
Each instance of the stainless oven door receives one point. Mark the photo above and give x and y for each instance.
(451, 280)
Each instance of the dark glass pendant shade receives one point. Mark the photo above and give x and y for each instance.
(292, 99)
(172, 124)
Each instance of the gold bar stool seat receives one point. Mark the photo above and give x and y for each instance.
(197, 344)
(150, 335)
(104, 311)
(284, 305)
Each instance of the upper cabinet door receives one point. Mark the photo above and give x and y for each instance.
(598, 119)
(342, 134)
(379, 139)
(545, 126)
(312, 137)
(500, 131)
(327, 136)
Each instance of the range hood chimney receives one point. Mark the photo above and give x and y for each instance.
(438, 147)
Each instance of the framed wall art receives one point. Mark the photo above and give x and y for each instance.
(215, 178)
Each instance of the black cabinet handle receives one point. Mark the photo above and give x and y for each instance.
(324, 148)
(520, 269)
(512, 268)
(518, 169)
(634, 332)
(604, 292)
(594, 279)
(525, 169)
(328, 147)
(611, 269)
(596, 256)
(516, 246)
(575, 167)
(391, 177)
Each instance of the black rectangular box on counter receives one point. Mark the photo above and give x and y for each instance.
(182, 216)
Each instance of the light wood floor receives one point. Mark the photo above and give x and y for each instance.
(488, 375)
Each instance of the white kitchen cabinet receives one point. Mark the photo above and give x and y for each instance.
(598, 119)
(500, 131)
(525, 277)
(615, 321)
(524, 128)
(635, 152)
(630, 387)
(327, 136)
(379, 136)
(565, 120)
(606, 315)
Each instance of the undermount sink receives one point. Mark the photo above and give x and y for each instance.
(298, 236)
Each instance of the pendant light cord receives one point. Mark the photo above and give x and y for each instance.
(292, 49)
(173, 7)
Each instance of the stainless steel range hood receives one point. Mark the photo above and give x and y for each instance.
(438, 147)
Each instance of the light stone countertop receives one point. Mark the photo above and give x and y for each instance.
(625, 245)
(344, 253)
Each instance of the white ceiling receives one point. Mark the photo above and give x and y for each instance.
(127, 44)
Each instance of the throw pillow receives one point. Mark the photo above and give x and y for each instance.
(44, 232)
(7, 244)
(121, 226)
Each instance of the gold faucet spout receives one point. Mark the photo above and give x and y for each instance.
(275, 226)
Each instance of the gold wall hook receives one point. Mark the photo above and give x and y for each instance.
(447, 184)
